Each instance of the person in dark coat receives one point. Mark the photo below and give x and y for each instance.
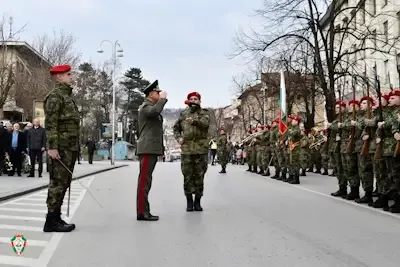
(3, 145)
(91, 147)
(149, 146)
(36, 143)
(16, 148)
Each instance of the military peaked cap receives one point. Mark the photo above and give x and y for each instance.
(152, 87)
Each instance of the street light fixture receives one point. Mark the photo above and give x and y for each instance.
(116, 48)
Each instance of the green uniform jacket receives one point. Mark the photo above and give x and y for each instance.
(390, 119)
(370, 129)
(61, 119)
(359, 129)
(195, 134)
(150, 128)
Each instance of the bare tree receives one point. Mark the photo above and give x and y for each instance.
(58, 48)
(328, 30)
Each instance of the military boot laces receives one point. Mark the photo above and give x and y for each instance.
(197, 205)
(53, 224)
(367, 198)
(189, 201)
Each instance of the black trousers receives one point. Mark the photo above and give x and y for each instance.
(36, 154)
(90, 157)
(147, 164)
(16, 160)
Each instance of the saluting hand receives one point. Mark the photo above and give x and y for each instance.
(163, 94)
(180, 141)
(53, 153)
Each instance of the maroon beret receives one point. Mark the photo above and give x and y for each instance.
(60, 69)
(193, 94)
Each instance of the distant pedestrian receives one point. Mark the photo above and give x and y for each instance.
(91, 148)
(16, 149)
(191, 132)
(62, 132)
(149, 146)
(36, 145)
(3, 146)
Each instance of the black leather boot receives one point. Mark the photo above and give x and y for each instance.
(147, 217)
(318, 170)
(367, 198)
(342, 192)
(381, 203)
(267, 173)
(58, 212)
(295, 180)
(254, 169)
(223, 170)
(288, 180)
(53, 224)
(375, 193)
(354, 193)
(249, 169)
(277, 173)
(283, 175)
(197, 205)
(395, 208)
(303, 172)
(261, 172)
(310, 170)
(325, 172)
(189, 201)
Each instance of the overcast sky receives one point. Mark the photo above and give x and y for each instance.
(183, 43)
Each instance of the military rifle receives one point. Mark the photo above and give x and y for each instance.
(380, 132)
(350, 146)
(365, 147)
(339, 130)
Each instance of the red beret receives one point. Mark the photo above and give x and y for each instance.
(260, 126)
(340, 103)
(353, 101)
(193, 94)
(386, 96)
(60, 69)
(296, 119)
(277, 121)
(290, 117)
(266, 126)
(249, 131)
(255, 130)
(394, 93)
(221, 129)
(368, 98)
(187, 102)
(324, 131)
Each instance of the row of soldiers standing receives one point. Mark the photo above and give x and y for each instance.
(359, 145)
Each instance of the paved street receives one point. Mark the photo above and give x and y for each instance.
(14, 184)
(248, 220)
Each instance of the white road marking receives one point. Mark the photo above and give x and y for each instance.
(21, 228)
(396, 216)
(24, 210)
(30, 242)
(18, 261)
(29, 204)
(23, 218)
(49, 250)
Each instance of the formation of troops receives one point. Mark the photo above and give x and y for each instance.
(361, 146)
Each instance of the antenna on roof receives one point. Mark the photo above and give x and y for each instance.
(11, 29)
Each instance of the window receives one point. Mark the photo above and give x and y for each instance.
(386, 31)
(386, 70)
(373, 11)
(398, 24)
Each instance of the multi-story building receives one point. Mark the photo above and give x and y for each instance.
(369, 38)
(25, 78)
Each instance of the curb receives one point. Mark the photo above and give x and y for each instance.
(32, 190)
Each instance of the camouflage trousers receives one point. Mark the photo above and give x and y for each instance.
(340, 173)
(396, 172)
(266, 156)
(325, 160)
(60, 178)
(315, 160)
(304, 158)
(352, 172)
(193, 168)
(388, 172)
(333, 162)
(259, 157)
(294, 161)
(367, 172)
(223, 158)
(285, 158)
(276, 159)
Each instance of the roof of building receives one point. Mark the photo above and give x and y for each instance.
(25, 46)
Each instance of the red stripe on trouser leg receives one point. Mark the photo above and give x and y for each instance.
(142, 183)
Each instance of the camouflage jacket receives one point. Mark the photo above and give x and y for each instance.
(334, 130)
(294, 134)
(360, 125)
(266, 140)
(61, 119)
(195, 134)
(389, 128)
(344, 137)
(274, 138)
(222, 144)
(370, 130)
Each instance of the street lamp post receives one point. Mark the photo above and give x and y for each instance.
(398, 65)
(116, 52)
(264, 90)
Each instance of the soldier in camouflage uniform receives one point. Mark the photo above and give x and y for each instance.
(366, 154)
(351, 156)
(315, 153)
(285, 150)
(62, 132)
(266, 154)
(335, 148)
(304, 152)
(247, 150)
(191, 132)
(253, 145)
(391, 130)
(259, 149)
(294, 135)
(275, 149)
(223, 150)
(379, 165)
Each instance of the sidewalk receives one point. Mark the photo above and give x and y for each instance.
(15, 186)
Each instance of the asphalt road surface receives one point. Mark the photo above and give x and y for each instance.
(248, 220)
